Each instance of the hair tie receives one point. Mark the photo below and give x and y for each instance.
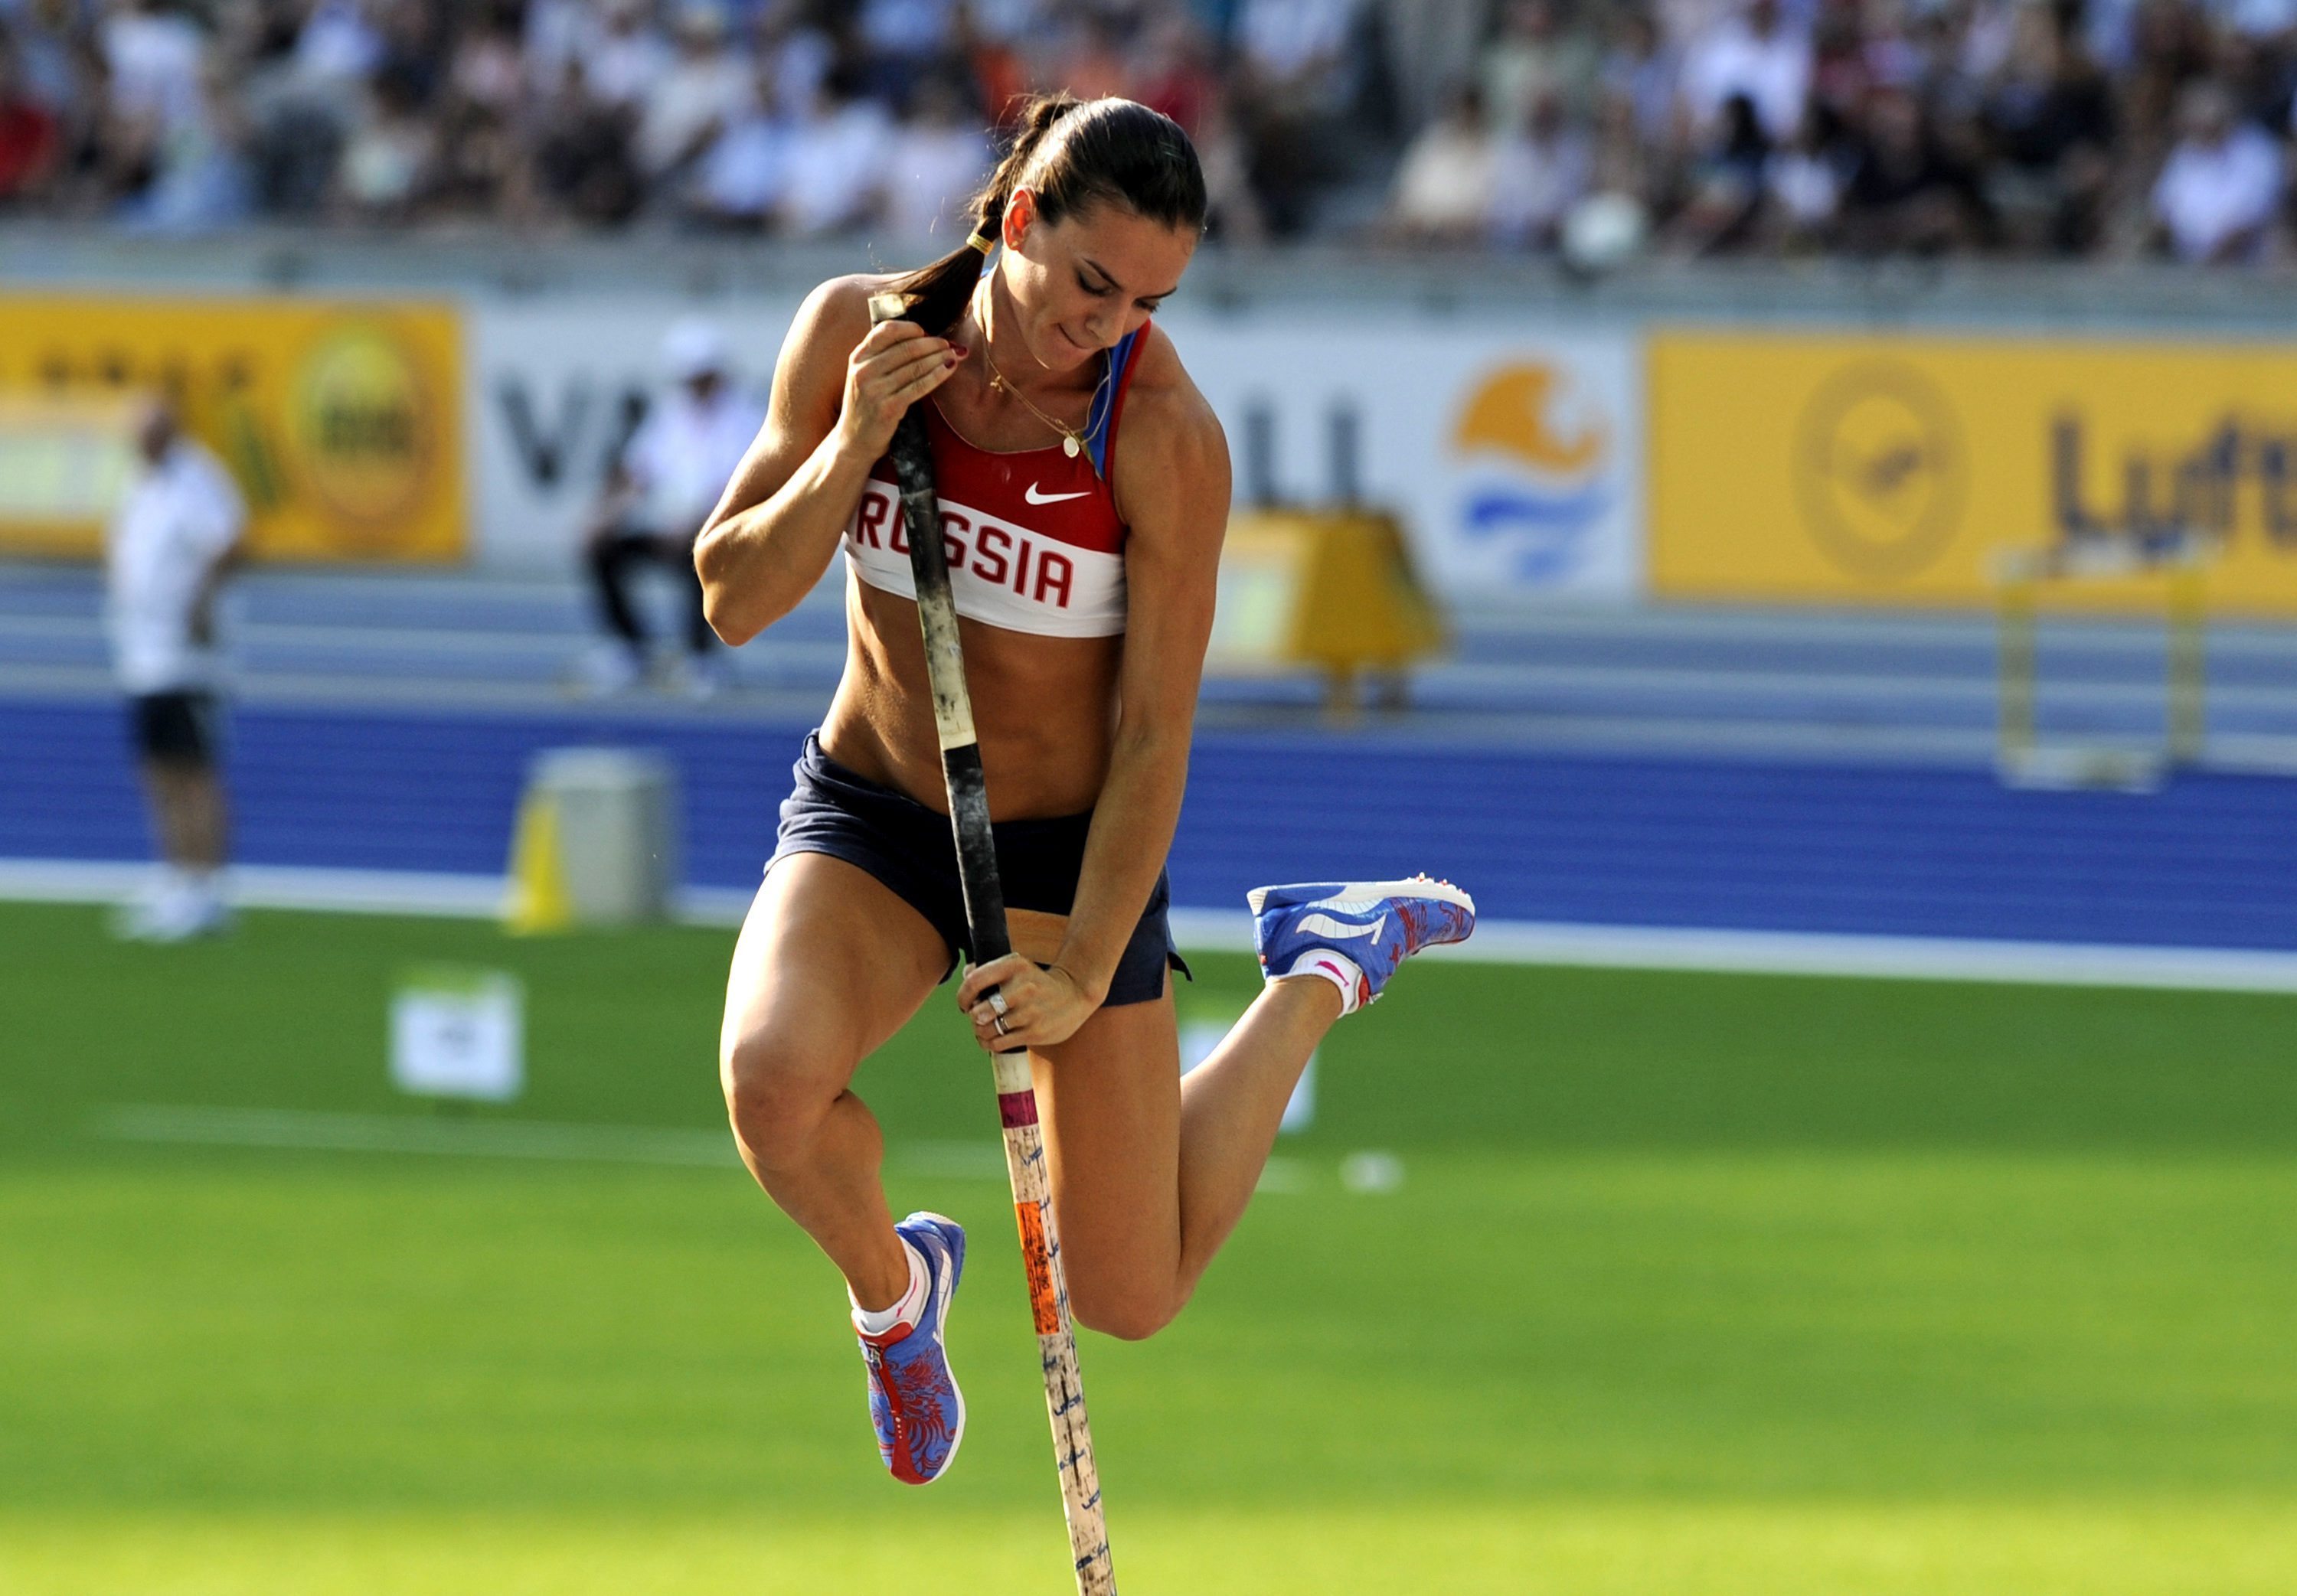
(982, 240)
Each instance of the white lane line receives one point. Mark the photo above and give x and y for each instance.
(438, 894)
(1812, 953)
(265, 886)
(1229, 930)
(296, 1129)
(311, 1130)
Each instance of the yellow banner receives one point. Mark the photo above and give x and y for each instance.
(1896, 470)
(340, 420)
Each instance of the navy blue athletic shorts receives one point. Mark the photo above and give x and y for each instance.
(176, 727)
(910, 847)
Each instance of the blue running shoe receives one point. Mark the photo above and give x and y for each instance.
(1355, 932)
(914, 1401)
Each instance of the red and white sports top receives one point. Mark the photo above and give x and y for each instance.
(1032, 537)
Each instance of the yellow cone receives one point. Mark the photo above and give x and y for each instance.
(538, 902)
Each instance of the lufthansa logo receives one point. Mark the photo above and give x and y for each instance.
(1879, 471)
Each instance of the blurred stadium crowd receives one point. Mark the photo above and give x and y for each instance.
(2065, 127)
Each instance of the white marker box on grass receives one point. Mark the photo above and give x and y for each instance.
(459, 1033)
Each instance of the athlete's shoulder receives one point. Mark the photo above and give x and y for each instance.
(1163, 406)
(1169, 435)
(837, 312)
(810, 371)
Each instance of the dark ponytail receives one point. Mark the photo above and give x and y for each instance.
(1073, 154)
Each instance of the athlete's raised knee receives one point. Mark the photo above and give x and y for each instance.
(775, 1097)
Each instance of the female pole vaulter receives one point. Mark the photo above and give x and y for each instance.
(1084, 489)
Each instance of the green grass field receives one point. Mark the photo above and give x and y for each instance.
(1695, 1285)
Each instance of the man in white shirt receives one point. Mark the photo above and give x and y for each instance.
(668, 480)
(1444, 186)
(623, 53)
(152, 60)
(1539, 172)
(838, 154)
(708, 87)
(1757, 54)
(1295, 41)
(174, 537)
(2219, 192)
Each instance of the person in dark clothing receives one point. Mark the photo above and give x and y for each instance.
(30, 135)
(663, 489)
(2048, 121)
(1906, 194)
(1726, 183)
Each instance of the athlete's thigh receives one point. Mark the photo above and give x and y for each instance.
(1110, 1101)
(830, 963)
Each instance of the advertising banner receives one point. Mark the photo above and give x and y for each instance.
(1899, 470)
(342, 420)
(1512, 454)
(64, 464)
(558, 385)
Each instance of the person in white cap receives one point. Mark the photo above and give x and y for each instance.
(663, 489)
(173, 538)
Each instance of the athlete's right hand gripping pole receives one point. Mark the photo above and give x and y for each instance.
(985, 917)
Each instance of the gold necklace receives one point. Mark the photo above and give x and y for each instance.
(1072, 439)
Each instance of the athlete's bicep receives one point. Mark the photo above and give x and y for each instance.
(1172, 562)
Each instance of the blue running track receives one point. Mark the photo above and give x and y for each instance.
(1767, 845)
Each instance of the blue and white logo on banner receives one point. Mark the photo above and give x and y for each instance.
(1536, 459)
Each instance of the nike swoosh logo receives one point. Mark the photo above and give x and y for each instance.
(1325, 925)
(1035, 498)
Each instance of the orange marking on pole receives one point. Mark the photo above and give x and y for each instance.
(1037, 1258)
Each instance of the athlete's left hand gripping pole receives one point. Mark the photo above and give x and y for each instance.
(985, 917)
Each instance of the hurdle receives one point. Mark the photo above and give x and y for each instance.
(2174, 563)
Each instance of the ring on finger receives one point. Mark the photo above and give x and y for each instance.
(998, 1021)
(997, 1001)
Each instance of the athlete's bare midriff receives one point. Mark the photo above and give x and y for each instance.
(1045, 709)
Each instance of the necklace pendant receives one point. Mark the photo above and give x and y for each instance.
(1070, 445)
